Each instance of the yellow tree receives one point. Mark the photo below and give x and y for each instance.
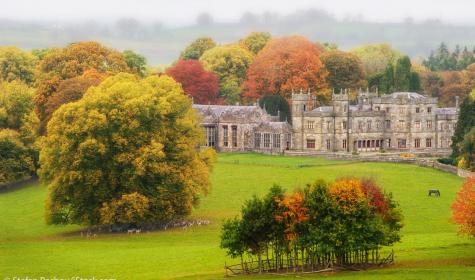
(125, 136)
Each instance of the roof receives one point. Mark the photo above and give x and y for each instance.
(219, 110)
(409, 95)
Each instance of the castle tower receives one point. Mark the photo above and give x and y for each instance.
(300, 105)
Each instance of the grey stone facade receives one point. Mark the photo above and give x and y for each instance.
(243, 128)
(401, 122)
(398, 122)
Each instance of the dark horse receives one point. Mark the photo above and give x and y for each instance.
(435, 192)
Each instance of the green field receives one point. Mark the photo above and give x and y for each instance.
(430, 247)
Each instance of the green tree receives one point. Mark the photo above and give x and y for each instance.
(467, 150)
(136, 62)
(465, 122)
(230, 64)
(345, 70)
(125, 136)
(16, 64)
(376, 57)
(276, 105)
(16, 103)
(197, 48)
(255, 41)
(17, 160)
(402, 74)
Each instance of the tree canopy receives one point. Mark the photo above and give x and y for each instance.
(16, 64)
(124, 141)
(72, 61)
(463, 208)
(202, 85)
(230, 64)
(197, 48)
(345, 70)
(285, 64)
(255, 41)
(376, 57)
(136, 62)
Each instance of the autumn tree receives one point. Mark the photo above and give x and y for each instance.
(16, 64)
(18, 132)
(125, 136)
(345, 70)
(376, 57)
(197, 48)
(202, 85)
(285, 64)
(255, 41)
(136, 62)
(467, 151)
(71, 90)
(69, 62)
(230, 64)
(463, 208)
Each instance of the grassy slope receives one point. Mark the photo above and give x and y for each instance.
(430, 247)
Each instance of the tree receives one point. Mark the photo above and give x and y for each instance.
(136, 62)
(465, 122)
(230, 64)
(16, 64)
(17, 160)
(376, 57)
(16, 103)
(276, 105)
(402, 74)
(196, 49)
(255, 41)
(72, 61)
(463, 208)
(128, 209)
(125, 136)
(345, 70)
(285, 64)
(467, 150)
(202, 85)
(71, 90)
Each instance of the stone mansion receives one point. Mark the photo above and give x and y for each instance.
(398, 122)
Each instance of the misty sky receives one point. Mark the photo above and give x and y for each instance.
(178, 12)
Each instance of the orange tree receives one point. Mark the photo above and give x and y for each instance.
(72, 61)
(285, 64)
(463, 208)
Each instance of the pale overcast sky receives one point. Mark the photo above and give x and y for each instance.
(177, 12)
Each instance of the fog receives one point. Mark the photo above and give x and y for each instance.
(184, 12)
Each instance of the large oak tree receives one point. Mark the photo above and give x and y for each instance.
(126, 141)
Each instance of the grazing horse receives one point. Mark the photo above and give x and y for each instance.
(435, 192)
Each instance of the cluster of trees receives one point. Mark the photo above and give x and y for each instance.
(442, 59)
(337, 223)
(115, 144)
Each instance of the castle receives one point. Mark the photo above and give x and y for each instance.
(397, 122)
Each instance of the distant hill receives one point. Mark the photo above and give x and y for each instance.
(162, 45)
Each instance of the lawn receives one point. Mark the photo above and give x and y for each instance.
(430, 247)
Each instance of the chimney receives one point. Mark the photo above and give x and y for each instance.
(456, 101)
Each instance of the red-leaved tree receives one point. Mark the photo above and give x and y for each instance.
(463, 209)
(196, 81)
(285, 64)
